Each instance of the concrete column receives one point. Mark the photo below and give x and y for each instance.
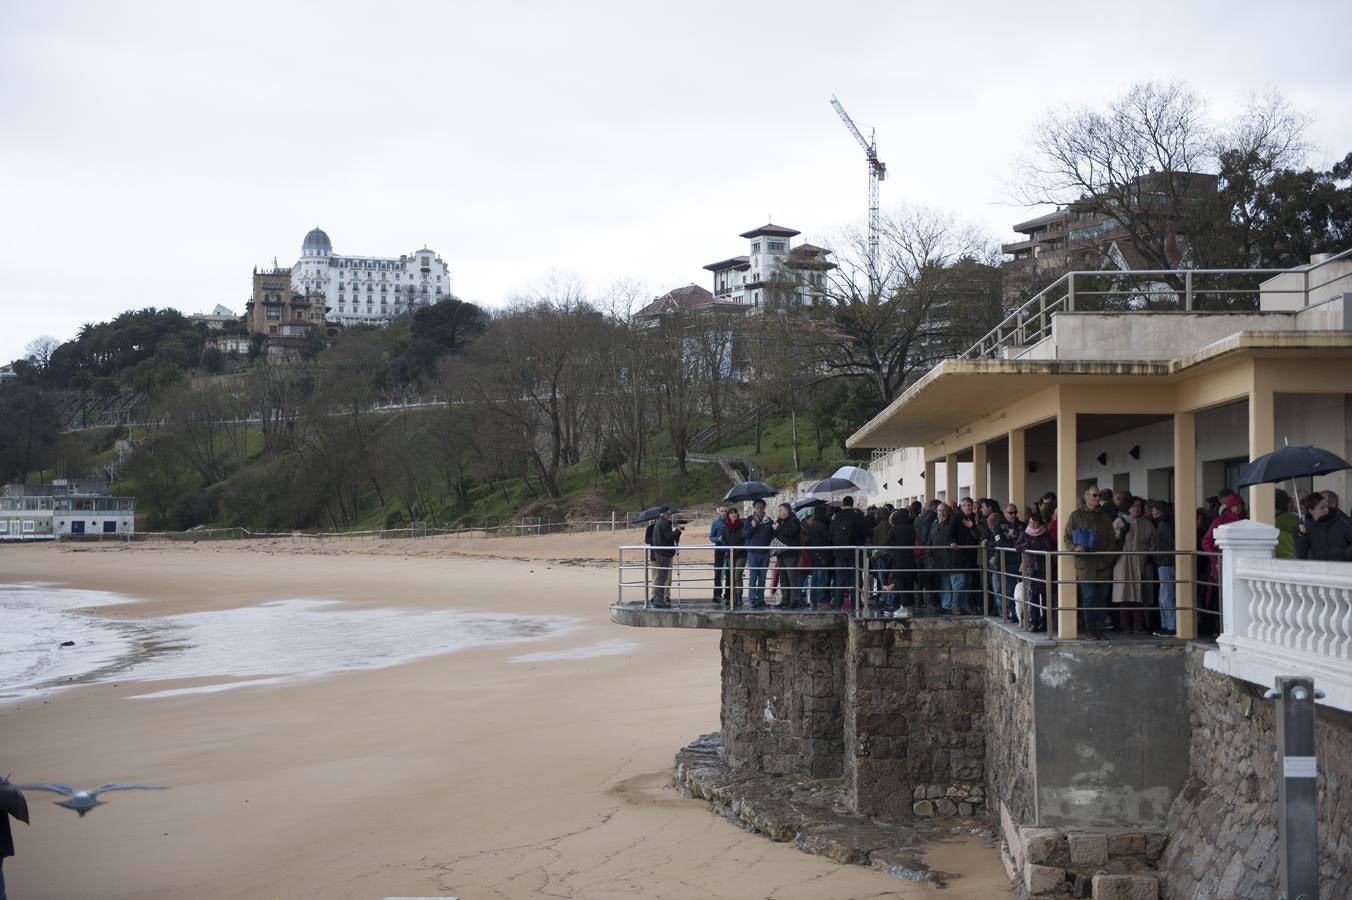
(1262, 497)
(951, 477)
(979, 485)
(931, 490)
(1185, 523)
(1067, 440)
(1018, 469)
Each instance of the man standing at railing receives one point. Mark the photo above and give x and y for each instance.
(1089, 531)
(847, 532)
(759, 530)
(666, 535)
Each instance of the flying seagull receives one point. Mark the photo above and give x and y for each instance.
(83, 801)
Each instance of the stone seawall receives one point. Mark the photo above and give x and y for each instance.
(1009, 725)
(1223, 826)
(782, 701)
(914, 707)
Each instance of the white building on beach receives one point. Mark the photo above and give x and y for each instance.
(369, 290)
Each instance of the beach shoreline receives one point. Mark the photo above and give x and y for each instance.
(462, 773)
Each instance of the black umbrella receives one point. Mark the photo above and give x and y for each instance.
(651, 513)
(1291, 462)
(12, 802)
(832, 485)
(805, 502)
(749, 490)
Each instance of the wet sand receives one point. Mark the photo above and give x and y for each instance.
(464, 774)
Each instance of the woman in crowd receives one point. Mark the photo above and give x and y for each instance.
(1034, 544)
(733, 538)
(1131, 572)
(1323, 534)
(902, 585)
(1287, 521)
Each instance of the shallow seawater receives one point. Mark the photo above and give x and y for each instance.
(272, 643)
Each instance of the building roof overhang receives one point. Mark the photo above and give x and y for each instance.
(958, 392)
(737, 262)
(772, 230)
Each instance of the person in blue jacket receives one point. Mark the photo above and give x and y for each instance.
(720, 553)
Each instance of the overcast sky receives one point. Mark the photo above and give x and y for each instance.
(153, 153)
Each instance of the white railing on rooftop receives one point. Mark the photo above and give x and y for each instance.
(1149, 290)
(1283, 616)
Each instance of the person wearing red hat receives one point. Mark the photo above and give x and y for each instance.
(1232, 510)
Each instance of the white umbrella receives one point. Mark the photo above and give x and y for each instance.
(860, 478)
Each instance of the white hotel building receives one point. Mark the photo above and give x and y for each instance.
(369, 290)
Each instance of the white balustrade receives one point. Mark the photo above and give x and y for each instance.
(1283, 616)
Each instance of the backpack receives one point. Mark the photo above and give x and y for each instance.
(842, 528)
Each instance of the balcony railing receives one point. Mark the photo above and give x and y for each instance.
(1283, 617)
(1152, 290)
(901, 582)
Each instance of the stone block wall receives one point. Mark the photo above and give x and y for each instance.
(913, 715)
(782, 701)
(1009, 725)
(1223, 826)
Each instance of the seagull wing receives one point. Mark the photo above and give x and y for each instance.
(55, 787)
(123, 786)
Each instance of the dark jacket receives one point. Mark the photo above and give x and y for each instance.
(848, 529)
(734, 537)
(788, 532)
(758, 536)
(952, 531)
(818, 535)
(1034, 565)
(665, 537)
(1005, 539)
(1162, 540)
(901, 533)
(1329, 539)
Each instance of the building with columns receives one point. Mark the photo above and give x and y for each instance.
(369, 290)
(1169, 399)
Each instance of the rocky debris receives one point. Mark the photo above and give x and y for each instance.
(812, 814)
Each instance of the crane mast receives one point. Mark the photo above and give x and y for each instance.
(877, 171)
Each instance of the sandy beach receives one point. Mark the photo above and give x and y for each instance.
(455, 774)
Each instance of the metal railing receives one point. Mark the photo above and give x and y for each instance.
(872, 581)
(1153, 290)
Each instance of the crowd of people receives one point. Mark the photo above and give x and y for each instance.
(930, 558)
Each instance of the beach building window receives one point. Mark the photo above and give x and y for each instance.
(755, 248)
(27, 526)
(4, 526)
(776, 245)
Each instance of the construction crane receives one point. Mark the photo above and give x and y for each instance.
(877, 171)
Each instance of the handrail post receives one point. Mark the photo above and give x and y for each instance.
(865, 594)
(1070, 292)
(647, 579)
(1187, 290)
(984, 574)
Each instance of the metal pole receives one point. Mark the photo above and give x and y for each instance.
(985, 576)
(1070, 292)
(865, 595)
(1187, 290)
(647, 583)
(1296, 812)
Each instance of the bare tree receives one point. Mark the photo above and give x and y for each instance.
(40, 350)
(927, 300)
(1150, 164)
